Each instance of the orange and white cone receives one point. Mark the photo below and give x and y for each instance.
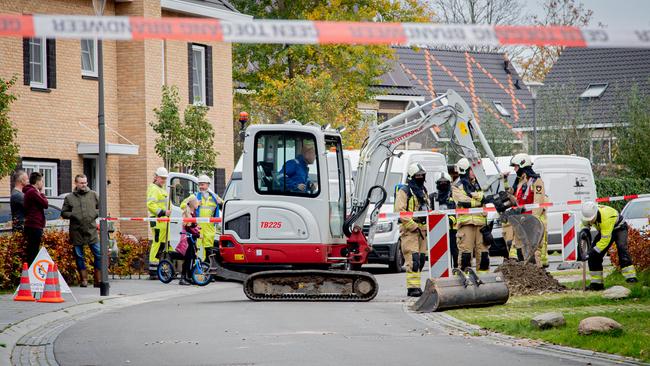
(52, 290)
(25, 289)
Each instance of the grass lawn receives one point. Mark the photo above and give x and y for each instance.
(633, 313)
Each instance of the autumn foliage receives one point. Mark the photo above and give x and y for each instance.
(638, 245)
(130, 260)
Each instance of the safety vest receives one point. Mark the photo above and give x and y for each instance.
(156, 200)
(209, 208)
(464, 199)
(523, 194)
(413, 204)
(606, 223)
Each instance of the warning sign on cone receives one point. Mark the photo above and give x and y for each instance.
(38, 272)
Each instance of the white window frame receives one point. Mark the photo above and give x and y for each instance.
(594, 91)
(501, 108)
(93, 72)
(202, 98)
(43, 66)
(40, 166)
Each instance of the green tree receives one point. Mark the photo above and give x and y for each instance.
(634, 137)
(186, 146)
(8, 134)
(316, 83)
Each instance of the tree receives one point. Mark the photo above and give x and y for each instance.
(323, 84)
(635, 134)
(538, 60)
(186, 146)
(503, 141)
(9, 148)
(478, 11)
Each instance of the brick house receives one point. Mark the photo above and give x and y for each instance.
(56, 110)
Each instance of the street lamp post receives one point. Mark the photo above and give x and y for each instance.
(98, 6)
(533, 87)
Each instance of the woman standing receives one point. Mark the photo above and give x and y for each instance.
(192, 233)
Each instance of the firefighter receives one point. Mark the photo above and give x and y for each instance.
(468, 194)
(413, 197)
(444, 201)
(157, 207)
(209, 203)
(612, 228)
(529, 189)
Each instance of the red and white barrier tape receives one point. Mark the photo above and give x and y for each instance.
(462, 211)
(315, 32)
(198, 220)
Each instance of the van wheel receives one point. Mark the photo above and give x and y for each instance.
(396, 265)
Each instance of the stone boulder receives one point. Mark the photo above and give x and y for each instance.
(616, 293)
(598, 324)
(548, 320)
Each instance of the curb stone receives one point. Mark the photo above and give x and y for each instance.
(31, 341)
(462, 328)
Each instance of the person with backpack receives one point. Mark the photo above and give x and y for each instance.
(412, 197)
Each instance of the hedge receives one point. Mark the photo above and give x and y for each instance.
(131, 260)
(607, 187)
(638, 244)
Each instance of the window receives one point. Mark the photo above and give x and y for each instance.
(180, 189)
(594, 91)
(89, 57)
(502, 110)
(49, 171)
(336, 179)
(601, 151)
(198, 74)
(37, 63)
(286, 164)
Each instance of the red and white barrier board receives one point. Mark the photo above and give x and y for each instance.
(569, 239)
(438, 245)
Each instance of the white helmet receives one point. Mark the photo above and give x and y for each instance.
(444, 176)
(522, 160)
(204, 179)
(162, 172)
(589, 211)
(462, 166)
(415, 168)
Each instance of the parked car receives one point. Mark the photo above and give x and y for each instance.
(637, 212)
(52, 214)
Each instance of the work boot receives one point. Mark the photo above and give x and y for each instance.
(97, 278)
(83, 274)
(631, 280)
(596, 287)
(413, 292)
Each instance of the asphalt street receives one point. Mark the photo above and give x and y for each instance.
(219, 326)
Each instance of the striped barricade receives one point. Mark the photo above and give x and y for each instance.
(438, 245)
(569, 242)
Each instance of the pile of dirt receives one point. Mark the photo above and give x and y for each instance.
(528, 279)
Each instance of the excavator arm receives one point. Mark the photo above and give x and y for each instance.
(384, 139)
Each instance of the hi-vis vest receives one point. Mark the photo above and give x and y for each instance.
(406, 201)
(156, 200)
(209, 207)
(609, 220)
(464, 200)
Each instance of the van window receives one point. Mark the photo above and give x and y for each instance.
(181, 188)
(637, 210)
(286, 164)
(233, 189)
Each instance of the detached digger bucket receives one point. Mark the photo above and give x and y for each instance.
(462, 291)
(530, 232)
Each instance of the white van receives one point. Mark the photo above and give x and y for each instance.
(566, 178)
(386, 244)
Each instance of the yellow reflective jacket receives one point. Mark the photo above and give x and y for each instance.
(406, 202)
(465, 200)
(156, 200)
(605, 224)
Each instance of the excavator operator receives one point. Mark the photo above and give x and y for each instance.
(467, 193)
(296, 171)
(413, 197)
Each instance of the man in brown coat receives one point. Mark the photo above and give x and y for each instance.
(81, 207)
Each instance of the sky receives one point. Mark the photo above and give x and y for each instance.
(612, 13)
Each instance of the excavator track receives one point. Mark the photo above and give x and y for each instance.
(311, 285)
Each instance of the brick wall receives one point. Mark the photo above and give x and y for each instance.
(51, 124)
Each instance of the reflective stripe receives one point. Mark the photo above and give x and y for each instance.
(412, 279)
(596, 276)
(483, 271)
(629, 272)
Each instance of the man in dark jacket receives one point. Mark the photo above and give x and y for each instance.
(17, 201)
(81, 207)
(35, 204)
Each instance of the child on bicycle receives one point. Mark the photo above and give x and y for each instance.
(192, 232)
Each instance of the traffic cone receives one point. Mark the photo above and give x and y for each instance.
(52, 291)
(25, 289)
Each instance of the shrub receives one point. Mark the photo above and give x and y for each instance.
(131, 260)
(638, 244)
(607, 187)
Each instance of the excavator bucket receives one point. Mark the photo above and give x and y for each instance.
(462, 291)
(530, 232)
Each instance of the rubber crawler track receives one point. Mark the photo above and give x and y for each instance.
(326, 275)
